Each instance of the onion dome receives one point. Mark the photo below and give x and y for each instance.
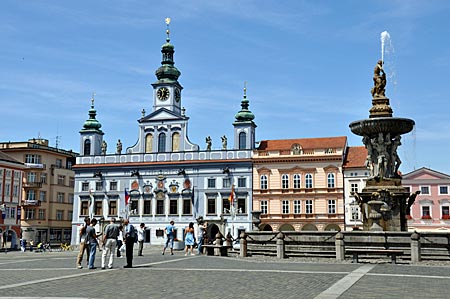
(92, 124)
(244, 115)
(167, 72)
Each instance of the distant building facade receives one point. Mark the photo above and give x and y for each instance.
(298, 184)
(164, 176)
(431, 209)
(48, 190)
(355, 174)
(11, 174)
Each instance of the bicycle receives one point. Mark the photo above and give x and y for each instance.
(66, 247)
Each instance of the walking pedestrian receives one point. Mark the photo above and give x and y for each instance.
(120, 241)
(189, 239)
(141, 237)
(110, 242)
(201, 236)
(130, 238)
(91, 241)
(83, 246)
(170, 233)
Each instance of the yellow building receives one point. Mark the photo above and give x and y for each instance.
(48, 190)
(298, 184)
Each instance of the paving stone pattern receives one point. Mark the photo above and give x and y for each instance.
(54, 275)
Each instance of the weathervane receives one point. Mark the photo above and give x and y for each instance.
(245, 89)
(167, 30)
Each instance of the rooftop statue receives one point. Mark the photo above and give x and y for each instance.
(379, 80)
(208, 143)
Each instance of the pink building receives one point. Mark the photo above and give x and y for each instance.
(431, 209)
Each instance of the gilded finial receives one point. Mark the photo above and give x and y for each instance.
(167, 30)
(245, 89)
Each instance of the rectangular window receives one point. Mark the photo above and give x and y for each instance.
(242, 182)
(113, 186)
(407, 188)
(355, 212)
(134, 207)
(443, 190)
(70, 198)
(31, 177)
(211, 205)
(69, 215)
(297, 206)
(59, 163)
(61, 180)
(31, 195)
(85, 186)
(354, 187)
(308, 206)
(8, 190)
(71, 182)
(297, 181)
(226, 183)
(187, 206)
(424, 190)
(160, 207)
(13, 213)
(284, 181)
(32, 159)
(41, 214)
(29, 214)
(112, 208)
(44, 178)
(60, 197)
(264, 207)
(15, 190)
(59, 215)
(241, 206)
(42, 196)
(84, 208)
(98, 208)
(426, 212)
(263, 182)
(226, 205)
(445, 212)
(331, 206)
(98, 186)
(285, 206)
(211, 183)
(147, 206)
(173, 207)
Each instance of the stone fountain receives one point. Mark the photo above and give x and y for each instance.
(384, 202)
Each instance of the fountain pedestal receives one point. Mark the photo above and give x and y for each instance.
(383, 202)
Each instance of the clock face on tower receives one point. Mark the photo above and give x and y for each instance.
(163, 93)
(177, 95)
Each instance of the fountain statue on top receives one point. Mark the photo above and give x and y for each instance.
(384, 202)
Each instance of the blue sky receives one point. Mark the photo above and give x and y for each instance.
(308, 67)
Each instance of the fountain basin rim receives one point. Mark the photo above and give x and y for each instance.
(373, 126)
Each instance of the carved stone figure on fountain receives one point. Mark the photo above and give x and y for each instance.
(379, 80)
(394, 156)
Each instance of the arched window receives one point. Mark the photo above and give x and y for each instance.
(263, 182)
(87, 147)
(297, 181)
(308, 180)
(175, 142)
(330, 180)
(149, 143)
(285, 181)
(242, 140)
(162, 143)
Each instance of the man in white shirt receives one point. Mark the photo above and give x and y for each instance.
(141, 238)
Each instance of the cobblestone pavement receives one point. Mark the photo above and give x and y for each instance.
(54, 275)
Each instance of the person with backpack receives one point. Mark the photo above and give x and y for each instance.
(129, 239)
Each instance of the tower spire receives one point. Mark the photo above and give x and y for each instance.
(245, 114)
(167, 72)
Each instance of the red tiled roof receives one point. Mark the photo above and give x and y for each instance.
(356, 157)
(305, 143)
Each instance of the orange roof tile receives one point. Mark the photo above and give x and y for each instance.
(305, 143)
(356, 157)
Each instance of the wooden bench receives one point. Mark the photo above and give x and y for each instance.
(393, 253)
(218, 250)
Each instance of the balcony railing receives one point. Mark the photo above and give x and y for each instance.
(31, 202)
(32, 184)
